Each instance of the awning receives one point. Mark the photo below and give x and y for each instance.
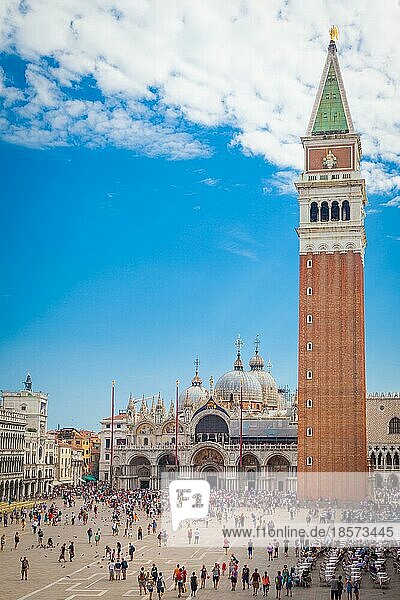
(89, 477)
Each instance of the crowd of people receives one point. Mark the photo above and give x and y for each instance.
(116, 521)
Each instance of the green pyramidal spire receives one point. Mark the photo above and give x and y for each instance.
(331, 113)
(330, 117)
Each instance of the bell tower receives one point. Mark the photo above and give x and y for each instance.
(331, 354)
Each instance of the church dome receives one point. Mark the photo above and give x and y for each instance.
(231, 384)
(194, 394)
(267, 382)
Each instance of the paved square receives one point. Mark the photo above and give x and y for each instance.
(87, 575)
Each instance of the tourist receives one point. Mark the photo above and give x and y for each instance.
(150, 585)
(340, 587)
(349, 589)
(234, 576)
(71, 551)
(117, 569)
(175, 575)
(245, 577)
(2, 542)
(193, 584)
(278, 584)
(255, 581)
(16, 540)
(154, 572)
(89, 534)
(124, 567)
(203, 577)
(334, 586)
(216, 575)
(223, 568)
(226, 545)
(356, 590)
(142, 581)
(160, 586)
(131, 551)
(265, 584)
(111, 570)
(24, 568)
(250, 548)
(289, 584)
(62, 553)
(270, 550)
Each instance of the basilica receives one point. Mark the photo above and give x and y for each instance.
(245, 409)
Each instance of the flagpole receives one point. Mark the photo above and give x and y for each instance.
(112, 431)
(176, 424)
(241, 427)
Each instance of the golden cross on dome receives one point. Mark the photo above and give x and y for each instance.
(197, 364)
(334, 33)
(257, 343)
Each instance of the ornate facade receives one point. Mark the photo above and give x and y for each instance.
(12, 454)
(209, 422)
(383, 436)
(39, 446)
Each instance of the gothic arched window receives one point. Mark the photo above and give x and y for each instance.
(345, 210)
(314, 212)
(394, 425)
(335, 211)
(324, 211)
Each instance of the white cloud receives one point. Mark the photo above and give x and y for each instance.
(165, 70)
(210, 181)
(393, 202)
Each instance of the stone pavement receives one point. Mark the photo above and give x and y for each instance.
(87, 575)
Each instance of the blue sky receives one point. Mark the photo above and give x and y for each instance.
(140, 230)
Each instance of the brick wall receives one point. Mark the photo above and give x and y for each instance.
(337, 361)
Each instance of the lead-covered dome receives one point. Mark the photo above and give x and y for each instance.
(267, 382)
(239, 383)
(195, 394)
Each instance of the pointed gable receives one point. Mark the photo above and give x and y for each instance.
(331, 112)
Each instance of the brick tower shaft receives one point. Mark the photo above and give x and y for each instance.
(331, 360)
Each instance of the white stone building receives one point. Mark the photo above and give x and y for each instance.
(383, 436)
(12, 454)
(39, 447)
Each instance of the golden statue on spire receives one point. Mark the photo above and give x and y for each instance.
(334, 33)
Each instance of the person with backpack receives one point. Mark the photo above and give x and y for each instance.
(150, 587)
(154, 573)
(117, 569)
(142, 581)
(124, 567)
(278, 585)
(289, 585)
(265, 584)
(193, 584)
(160, 585)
